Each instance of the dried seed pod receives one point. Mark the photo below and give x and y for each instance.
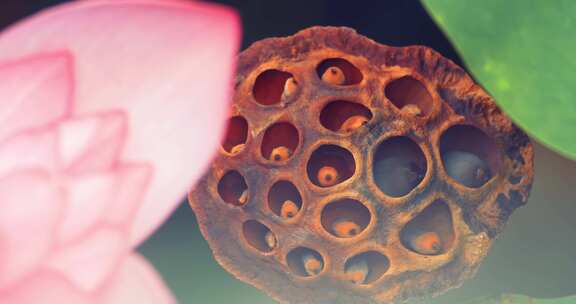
(405, 208)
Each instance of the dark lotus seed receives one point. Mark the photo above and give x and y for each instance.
(466, 168)
(396, 175)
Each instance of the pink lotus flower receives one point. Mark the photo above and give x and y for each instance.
(109, 111)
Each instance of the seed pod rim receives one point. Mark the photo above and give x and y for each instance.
(459, 95)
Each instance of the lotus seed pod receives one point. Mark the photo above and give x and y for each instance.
(280, 153)
(466, 168)
(334, 75)
(328, 176)
(289, 209)
(400, 209)
(352, 123)
(357, 272)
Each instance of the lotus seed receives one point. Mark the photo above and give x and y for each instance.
(334, 75)
(357, 272)
(466, 168)
(353, 123)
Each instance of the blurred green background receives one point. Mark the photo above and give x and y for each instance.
(535, 256)
(521, 52)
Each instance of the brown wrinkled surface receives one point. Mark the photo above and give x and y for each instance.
(339, 188)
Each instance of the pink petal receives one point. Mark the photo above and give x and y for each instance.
(137, 282)
(34, 91)
(45, 287)
(134, 281)
(166, 64)
(88, 262)
(108, 197)
(87, 200)
(92, 143)
(32, 149)
(29, 210)
(131, 184)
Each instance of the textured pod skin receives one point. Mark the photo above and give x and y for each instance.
(444, 110)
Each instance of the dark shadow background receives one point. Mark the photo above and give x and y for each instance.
(536, 255)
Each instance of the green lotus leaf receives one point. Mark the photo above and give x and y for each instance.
(524, 53)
